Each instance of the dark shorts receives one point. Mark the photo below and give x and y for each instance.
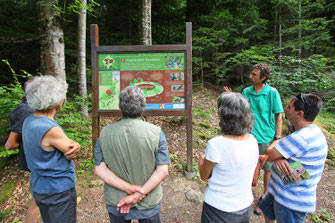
(210, 214)
(23, 161)
(119, 219)
(262, 147)
(275, 211)
(57, 208)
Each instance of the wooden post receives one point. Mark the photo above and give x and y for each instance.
(189, 97)
(95, 90)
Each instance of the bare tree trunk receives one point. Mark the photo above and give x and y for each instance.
(275, 26)
(146, 37)
(299, 37)
(81, 59)
(280, 36)
(51, 39)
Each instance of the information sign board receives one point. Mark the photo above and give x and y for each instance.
(161, 76)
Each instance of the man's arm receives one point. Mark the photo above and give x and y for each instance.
(279, 124)
(272, 153)
(155, 179)
(13, 141)
(56, 138)
(104, 173)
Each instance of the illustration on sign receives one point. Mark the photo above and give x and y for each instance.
(161, 76)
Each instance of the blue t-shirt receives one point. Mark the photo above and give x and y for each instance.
(51, 172)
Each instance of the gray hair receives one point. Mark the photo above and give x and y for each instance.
(132, 102)
(45, 92)
(235, 114)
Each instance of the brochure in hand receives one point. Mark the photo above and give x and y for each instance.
(299, 173)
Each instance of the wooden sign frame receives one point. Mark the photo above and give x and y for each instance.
(181, 48)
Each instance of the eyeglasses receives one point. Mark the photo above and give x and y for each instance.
(300, 97)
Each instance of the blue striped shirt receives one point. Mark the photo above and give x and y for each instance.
(309, 146)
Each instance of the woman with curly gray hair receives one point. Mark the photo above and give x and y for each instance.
(49, 152)
(229, 163)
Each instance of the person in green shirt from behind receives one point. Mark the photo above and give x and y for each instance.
(132, 157)
(266, 106)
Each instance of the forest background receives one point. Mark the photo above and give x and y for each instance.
(296, 37)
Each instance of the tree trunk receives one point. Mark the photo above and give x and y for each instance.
(51, 39)
(299, 37)
(280, 36)
(146, 38)
(81, 59)
(275, 26)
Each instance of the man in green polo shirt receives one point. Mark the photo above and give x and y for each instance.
(266, 105)
(132, 157)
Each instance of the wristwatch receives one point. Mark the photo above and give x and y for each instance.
(277, 137)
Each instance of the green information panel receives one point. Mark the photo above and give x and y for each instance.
(161, 76)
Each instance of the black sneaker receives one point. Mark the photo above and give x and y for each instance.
(258, 211)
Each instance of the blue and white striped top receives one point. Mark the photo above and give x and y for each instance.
(309, 146)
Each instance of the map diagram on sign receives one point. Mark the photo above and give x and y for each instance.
(161, 76)
(109, 89)
(150, 89)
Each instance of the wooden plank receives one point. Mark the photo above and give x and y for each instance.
(94, 32)
(141, 48)
(189, 97)
(146, 113)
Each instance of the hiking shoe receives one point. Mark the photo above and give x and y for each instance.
(258, 211)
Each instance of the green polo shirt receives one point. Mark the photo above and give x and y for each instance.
(264, 106)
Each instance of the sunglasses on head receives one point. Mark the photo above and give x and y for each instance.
(300, 97)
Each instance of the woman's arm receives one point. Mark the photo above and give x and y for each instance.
(56, 138)
(205, 168)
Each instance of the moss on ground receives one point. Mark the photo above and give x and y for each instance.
(6, 191)
(330, 140)
(203, 135)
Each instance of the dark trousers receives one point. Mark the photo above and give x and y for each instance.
(120, 219)
(212, 215)
(57, 208)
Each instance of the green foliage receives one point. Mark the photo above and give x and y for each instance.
(7, 153)
(76, 126)
(321, 216)
(4, 213)
(86, 167)
(307, 75)
(10, 97)
(328, 120)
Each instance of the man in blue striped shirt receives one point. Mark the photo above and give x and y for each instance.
(285, 201)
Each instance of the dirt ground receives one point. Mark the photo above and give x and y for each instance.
(178, 207)
(182, 199)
